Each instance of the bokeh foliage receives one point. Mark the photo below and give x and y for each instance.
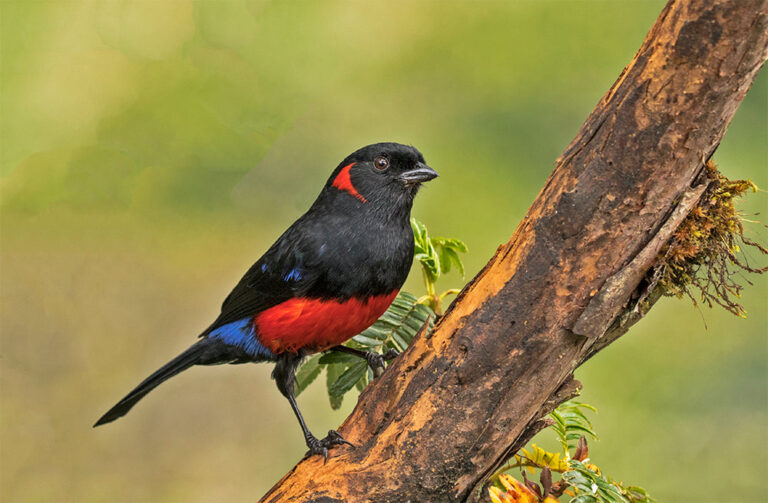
(151, 150)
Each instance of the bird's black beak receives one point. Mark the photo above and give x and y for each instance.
(422, 173)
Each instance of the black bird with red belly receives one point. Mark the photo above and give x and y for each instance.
(326, 279)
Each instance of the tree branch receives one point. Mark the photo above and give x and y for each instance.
(462, 399)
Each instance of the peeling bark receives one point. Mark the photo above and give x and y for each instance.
(570, 281)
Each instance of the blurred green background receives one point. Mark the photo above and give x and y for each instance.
(152, 150)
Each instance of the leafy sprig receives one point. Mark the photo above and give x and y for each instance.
(591, 486)
(436, 255)
(571, 424)
(580, 480)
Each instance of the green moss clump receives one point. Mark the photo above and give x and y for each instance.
(702, 255)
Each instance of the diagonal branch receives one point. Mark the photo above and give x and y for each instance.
(462, 399)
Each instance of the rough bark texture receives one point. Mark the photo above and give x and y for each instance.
(461, 400)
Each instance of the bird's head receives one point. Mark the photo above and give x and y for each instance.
(380, 173)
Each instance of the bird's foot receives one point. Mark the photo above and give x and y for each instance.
(391, 354)
(376, 361)
(321, 446)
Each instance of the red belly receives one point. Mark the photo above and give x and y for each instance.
(316, 325)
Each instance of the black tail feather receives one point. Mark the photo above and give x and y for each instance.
(197, 353)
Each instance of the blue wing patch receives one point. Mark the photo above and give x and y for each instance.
(293, 275)
(241, 334)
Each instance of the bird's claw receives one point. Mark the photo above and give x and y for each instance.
(391, 354)
(376, 361)
(321, 446)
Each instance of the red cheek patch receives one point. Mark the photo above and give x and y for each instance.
(344, 182)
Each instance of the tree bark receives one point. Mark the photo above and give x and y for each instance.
(464, 398)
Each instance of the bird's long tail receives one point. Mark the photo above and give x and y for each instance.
(198, 353)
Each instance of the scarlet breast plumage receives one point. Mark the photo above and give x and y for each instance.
(317, 324)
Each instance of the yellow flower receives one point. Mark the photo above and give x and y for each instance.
(498, 496)
(516, 492)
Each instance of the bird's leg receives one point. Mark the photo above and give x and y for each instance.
(375, 360)
(285, 375)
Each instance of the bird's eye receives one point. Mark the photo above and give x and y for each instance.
(381, 163)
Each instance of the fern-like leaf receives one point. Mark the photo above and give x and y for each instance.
(571, 423)
(591, 487)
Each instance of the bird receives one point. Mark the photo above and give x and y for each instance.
(328, 277)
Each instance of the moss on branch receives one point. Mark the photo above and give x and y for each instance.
(706, 256)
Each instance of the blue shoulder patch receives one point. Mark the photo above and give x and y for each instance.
(241, 333)
(293, 275)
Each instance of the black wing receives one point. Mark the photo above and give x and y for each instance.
(281, 274)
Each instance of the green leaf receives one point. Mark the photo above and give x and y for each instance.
(368, 342)
(637, 494)
(419, 235)
(348, 378)
(424, 251)
(455, 259)
(337, 357)
(574, 405)
(571, 423)
(577, 430)
(584, 498)
(456, 244)
(448, 251)
(363, 382)
(376, 331)
(589, 483)
(400, 342)
(445, 260)
(307, 373)
(578, 480)
(332, 374)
